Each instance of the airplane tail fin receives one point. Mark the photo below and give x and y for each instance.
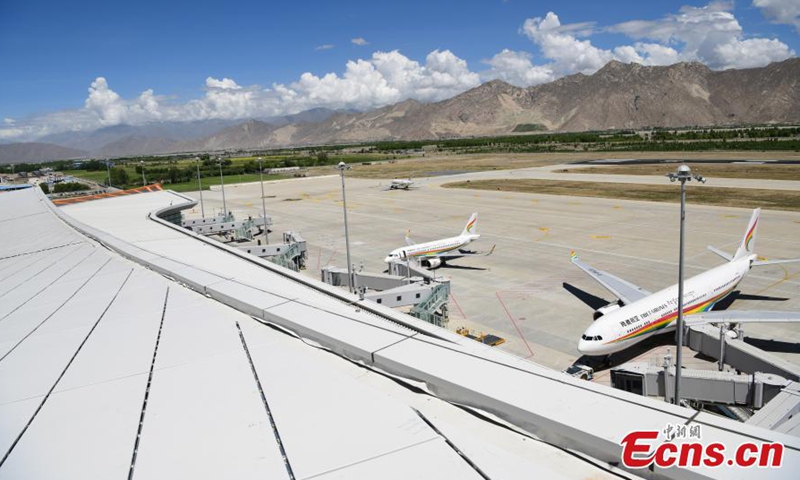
(749, 239)
(472, 225)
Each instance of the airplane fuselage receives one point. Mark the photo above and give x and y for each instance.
(657, 313)
(433, 249)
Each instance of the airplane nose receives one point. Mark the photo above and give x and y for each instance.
(387, 259)
(591, 348)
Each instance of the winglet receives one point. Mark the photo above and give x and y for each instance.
(573, 256)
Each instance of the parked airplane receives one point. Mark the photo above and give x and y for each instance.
(639, 314)
(401, 184)
(435, 254)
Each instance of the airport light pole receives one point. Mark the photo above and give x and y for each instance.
(200, 188)
(683, 174)
(342, 167)
(108, 170)
(222, 182)
(144, 180)
(263, 202)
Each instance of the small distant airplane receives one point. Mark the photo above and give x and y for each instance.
(401, 184)
(435, 254)
(639, 314)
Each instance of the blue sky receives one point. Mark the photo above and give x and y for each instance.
(247, 59)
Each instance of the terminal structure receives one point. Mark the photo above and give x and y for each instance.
(133, 347)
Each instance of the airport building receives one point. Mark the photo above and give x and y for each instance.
(134, 347)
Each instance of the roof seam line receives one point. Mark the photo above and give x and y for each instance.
(286, 462)
(41, 250)
(54, 311)
(453, 446)
(147, 389)
(64, 371)
(42, 270)
(367, 460)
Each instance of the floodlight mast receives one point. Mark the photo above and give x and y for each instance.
(350, 279)
(222, 183)
(200, 187)
(263, 202)
(683, 174)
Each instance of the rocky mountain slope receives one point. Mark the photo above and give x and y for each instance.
(36, 152)
(615, 97)
(618, 96)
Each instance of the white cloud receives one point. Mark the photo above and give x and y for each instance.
(517, 68)
(781, 11)
(569, 55)
(326, 46)
(387, 77)
(709, 34)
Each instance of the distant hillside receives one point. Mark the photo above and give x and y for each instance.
(618, 96)
(33, 152)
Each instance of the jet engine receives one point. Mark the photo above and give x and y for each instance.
(607, 309)
(434, 262)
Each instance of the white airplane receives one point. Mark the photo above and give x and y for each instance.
(401, 184)
(435, 254)
(639, 314)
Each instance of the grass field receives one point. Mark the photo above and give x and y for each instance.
(101, 177)
(229, 180)
(443, 165)
(728, 197)
(436, 165)
(727, 170)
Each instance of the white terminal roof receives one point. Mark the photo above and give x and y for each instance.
(225, 366)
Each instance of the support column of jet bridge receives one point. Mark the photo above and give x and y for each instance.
(426, 297)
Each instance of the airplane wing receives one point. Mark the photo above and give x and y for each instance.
(624, 290)
(456, 254)
(465, 253)
(741, 316)
(759, 263)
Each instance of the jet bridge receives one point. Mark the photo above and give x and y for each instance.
(222, 225)
(427, 298)
(703, 386)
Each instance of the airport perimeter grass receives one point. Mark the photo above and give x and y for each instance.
(434, 166)
(229, 180)
(727, 197)
(723, 170)
(442, 164)
(101, 177)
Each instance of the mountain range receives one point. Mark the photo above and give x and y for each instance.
(618, 96)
